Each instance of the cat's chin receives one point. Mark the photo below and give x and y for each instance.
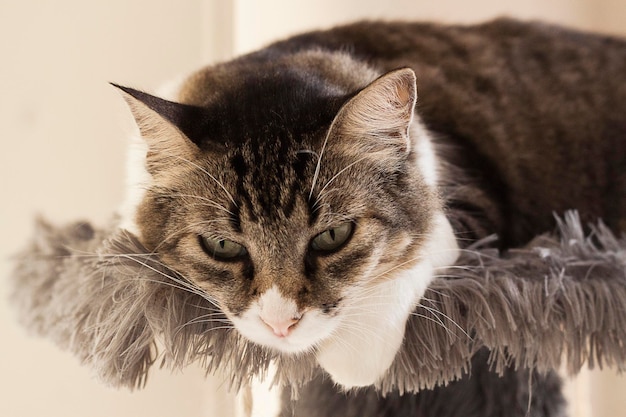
(312, 329)
(285, 346)
(290, 345)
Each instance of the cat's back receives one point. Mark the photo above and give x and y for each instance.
(537, 112)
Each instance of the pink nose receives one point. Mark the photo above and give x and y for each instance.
(281, 327)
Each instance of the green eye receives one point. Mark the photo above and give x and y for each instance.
(222, 248)
(332, 239)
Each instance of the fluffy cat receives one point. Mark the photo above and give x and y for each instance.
(310, 230)
(313, 194)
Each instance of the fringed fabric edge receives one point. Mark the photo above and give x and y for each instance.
(100, 294)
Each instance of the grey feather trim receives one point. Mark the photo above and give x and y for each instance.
(101, 295)
(559, 299)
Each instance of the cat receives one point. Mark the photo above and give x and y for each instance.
(313, 193)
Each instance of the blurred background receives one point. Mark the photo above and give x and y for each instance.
(63, 137)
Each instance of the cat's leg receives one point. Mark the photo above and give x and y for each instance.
(367, 340)
(364, 346)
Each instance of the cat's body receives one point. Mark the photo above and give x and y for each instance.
(536, 111)
(301, 191)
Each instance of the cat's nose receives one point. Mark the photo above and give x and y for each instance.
(281, 327)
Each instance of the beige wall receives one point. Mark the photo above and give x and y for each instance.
(62, 130)
(257, 24)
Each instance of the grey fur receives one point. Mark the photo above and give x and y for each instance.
(101, 295)
(482, 393)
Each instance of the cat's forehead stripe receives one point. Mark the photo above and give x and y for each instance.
(269, 184)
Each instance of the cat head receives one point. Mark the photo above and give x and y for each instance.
(288, 200)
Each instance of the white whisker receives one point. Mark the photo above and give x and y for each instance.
(319, 160)
(433, 310)
(208, 201)
(230, 197)
(334, 177)
(185, 284)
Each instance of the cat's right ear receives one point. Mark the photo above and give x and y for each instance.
(377, 120)
(162, 125)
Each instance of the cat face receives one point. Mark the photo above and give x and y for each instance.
(289, 218)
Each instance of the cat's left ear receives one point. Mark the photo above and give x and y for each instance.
(166, 126)
(378, 118)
